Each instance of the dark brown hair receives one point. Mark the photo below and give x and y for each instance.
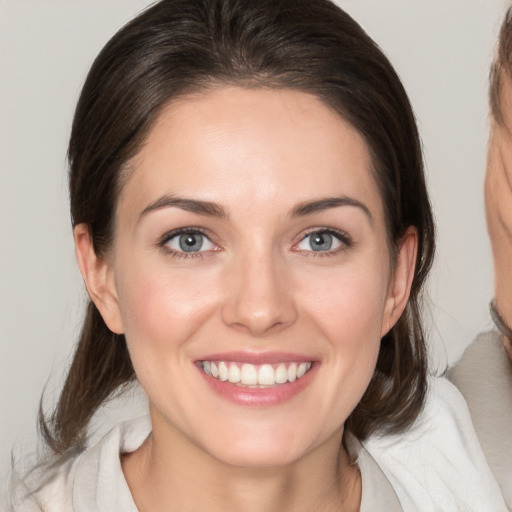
(501, 69)
(179, 46)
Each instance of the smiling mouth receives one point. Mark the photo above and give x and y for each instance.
(255, 376)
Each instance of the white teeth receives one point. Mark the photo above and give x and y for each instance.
(223, 371)
(281, 374)
(255, 375)
(266, 375)
(234, 374)
(249, 375)
(292, 372)
(301, 370)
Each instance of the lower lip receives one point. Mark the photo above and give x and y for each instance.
(259, 397)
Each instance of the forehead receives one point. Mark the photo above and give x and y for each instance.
(233, 144)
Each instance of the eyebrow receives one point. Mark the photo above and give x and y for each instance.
(190, 205)
(308, 208)
(210, 209)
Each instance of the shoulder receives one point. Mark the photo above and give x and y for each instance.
(93, 480)
(424, 464)
(483, 369)
(484, 377)
(483, 351)
(48, 488)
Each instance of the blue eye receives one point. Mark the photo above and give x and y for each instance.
(189, 242)
(322, 241)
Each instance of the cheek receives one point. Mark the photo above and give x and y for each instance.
(161, 310)
(349, 306)
(348, 309)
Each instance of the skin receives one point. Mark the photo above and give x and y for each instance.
(498, 203)
(258, 154)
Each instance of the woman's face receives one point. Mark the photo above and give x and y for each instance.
(251, 275)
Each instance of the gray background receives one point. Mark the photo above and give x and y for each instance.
(442, 50)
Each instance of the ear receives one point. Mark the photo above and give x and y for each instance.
(401, 280)
(98, 277)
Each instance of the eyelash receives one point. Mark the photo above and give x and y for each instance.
(342, 237)
(165, 239)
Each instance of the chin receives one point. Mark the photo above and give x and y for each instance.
(263, 447)
(259, 456)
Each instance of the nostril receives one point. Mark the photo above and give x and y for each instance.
(257, 323)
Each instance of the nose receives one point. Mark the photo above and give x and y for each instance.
(259, 298)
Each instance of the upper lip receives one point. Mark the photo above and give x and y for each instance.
(258, 358)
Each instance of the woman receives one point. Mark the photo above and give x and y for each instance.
(251, 222)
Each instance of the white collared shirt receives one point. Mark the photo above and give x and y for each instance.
(437, 465)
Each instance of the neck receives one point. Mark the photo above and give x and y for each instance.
(167, 471)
